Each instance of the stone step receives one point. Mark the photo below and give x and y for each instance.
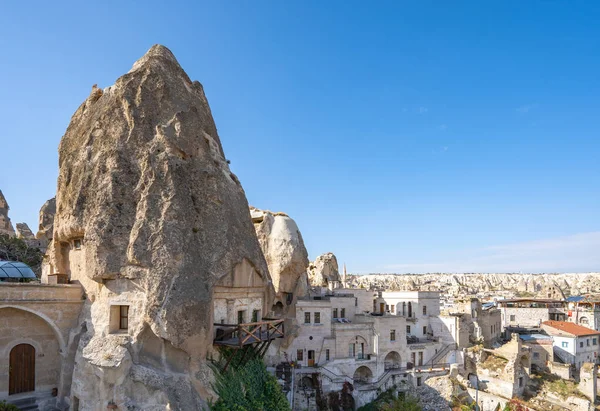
(25, 404)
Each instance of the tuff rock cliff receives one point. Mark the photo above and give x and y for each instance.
(149, 216)
(23, 231)
(6, 226)
(46, 220)
(548, 285)
(323, 270)
(284, 250)
(287, 258)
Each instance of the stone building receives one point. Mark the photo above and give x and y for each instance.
(484, 321)
(505, 370)
(36, 354)
(342, 339)
(584, 310)
(521, 314)
(541, 348)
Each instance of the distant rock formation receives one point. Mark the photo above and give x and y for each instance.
(150, 218)
(284, 250)
(24, 232)
(6, 226)
(555, 286)
(46, 220)
(323, 270)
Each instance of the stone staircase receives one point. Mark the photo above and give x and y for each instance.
(441, 354)
(25, 404)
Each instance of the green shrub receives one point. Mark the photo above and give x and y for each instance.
(249, 387)
(7, 407)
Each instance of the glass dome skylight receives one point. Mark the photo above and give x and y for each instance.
(15, 269)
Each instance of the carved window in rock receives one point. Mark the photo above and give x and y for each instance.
(77, 243)
(317, 318)
(392, 335)
(343, 313)
(327, 354)
(408, 329)
(351, 350)
(119, 318)
(299, 355)
(307, 318)
(424, 310)
(335, 312)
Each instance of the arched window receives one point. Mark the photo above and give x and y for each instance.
(404, 308)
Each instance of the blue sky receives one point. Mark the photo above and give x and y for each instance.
(402, 136)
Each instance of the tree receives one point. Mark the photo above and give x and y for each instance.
(17, 249)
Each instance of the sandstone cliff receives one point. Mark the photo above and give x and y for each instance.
(46, 220)
(23, 231)
(531, 285)
(149, 217)
(323, 270)
(6, 226)
(284, 250)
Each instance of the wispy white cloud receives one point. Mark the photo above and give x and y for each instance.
(422, 110)
(573, 253)
(526, 108)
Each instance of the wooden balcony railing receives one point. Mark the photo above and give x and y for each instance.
(239, 335)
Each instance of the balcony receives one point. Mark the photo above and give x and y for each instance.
(239, 335)
(410, 339)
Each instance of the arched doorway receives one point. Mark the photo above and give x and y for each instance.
(410, 309)
(392, 360)
(584, 321)
(363, 374)
(22, 369)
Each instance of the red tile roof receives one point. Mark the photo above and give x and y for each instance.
(571, 328)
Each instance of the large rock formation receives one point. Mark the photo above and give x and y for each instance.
(24, 232)
(46, 220)
(6, 226)
(323, 270)
(284, 250)
(520, 285)
(149, 217)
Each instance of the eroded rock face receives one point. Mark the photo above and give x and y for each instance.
(149, 217)
(46, 220)
(283, 247)
(23, 231)
(6, 226)
(323, 270)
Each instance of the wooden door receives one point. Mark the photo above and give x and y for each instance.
(22, 369)
(311, 358)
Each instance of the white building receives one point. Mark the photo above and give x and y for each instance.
(343, 340)
(573, 343)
